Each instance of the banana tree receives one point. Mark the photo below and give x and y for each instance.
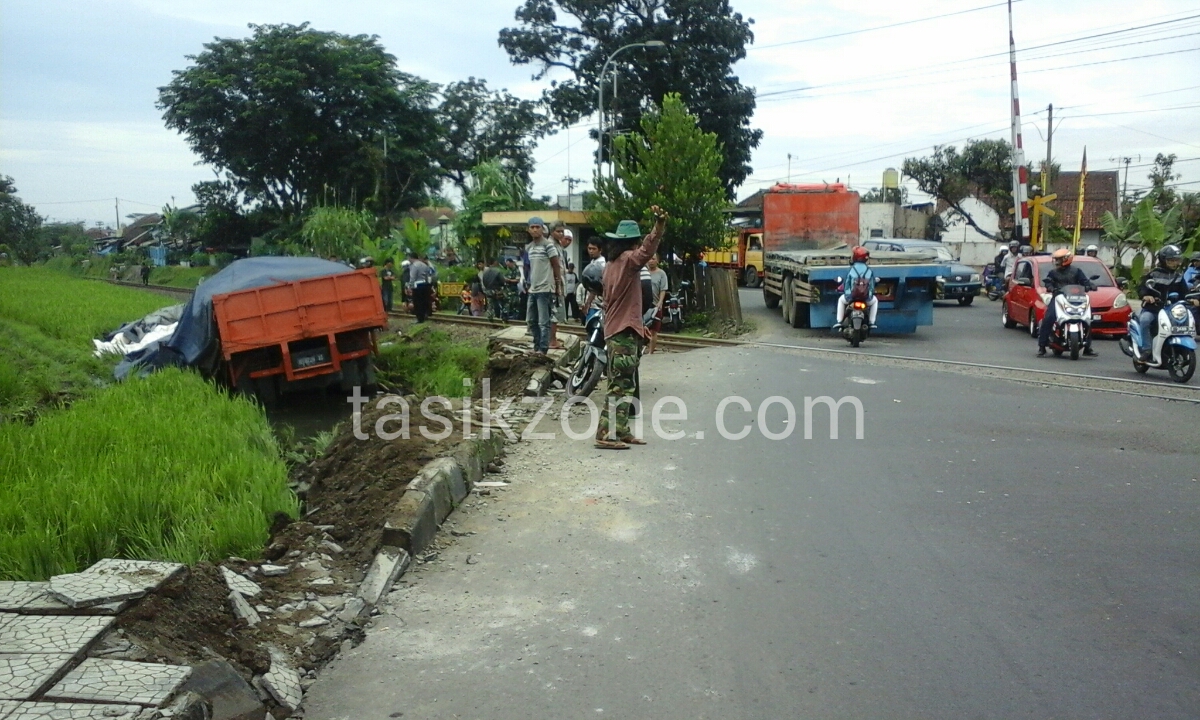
(1155, 231)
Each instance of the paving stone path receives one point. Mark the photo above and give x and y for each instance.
(46, 630)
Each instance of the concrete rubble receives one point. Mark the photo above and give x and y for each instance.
(239, 584)
(282, 681)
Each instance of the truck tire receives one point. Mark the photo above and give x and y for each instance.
(787, 301)
(799, 314)
(770, 299)
(750, 277)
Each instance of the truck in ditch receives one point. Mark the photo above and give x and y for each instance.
(808, 234)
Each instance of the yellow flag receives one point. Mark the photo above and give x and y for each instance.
(1079, 210)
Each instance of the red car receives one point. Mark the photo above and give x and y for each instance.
(1025, 305)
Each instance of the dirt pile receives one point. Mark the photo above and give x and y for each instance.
(357, 483)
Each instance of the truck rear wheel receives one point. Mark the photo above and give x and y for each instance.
(788, 304)
(770, 299)
(750, 277)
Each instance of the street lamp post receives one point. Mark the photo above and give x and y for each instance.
(600, 98)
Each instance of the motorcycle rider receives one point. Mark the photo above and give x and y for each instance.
(1061, 276)
(1192, 275)
(1166, 279)
(859, 270)
(1006, 262)
(1091, 251)
(1026, 250)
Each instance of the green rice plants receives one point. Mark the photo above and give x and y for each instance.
(429, 363)
(68, 308)
(165, 467)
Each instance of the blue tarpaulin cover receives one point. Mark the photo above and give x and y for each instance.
(194, 339)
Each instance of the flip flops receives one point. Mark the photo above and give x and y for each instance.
(610, 445)
(631, 440)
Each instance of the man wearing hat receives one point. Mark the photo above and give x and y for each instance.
(624, 330)
(562, 238)
(545, 283)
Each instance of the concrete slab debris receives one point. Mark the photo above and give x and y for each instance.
(232, 697)
(313, 622)
(25, 675)
(49, 633)
(282, 681)
(14, 595)
(120, 681)
(240, 584)
(354, 607)
(274, 570)
(80, 590)
(72, 711)
(242, 609)
(389, 564)
(147, 574)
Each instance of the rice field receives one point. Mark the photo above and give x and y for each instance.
(47, 322)
(165, 468)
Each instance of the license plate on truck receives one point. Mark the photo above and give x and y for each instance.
(310, 358)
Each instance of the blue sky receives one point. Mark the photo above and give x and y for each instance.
(78, 83)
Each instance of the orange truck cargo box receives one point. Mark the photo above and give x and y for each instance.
(809, 217)
(310, 327)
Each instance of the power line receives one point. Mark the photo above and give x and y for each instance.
(879, 27)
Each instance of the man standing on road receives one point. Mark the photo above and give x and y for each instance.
(145, 274)
(420, 279)
(595, 258)
(562, 238)
(493, 288)
(387, 283)
(570, 289)
(545, 284)
(623, 328)
(659, 285)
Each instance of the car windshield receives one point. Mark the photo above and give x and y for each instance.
(1092, 268)
(943, 255)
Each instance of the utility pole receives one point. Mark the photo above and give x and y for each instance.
(117, 206)
(1125, 184)
(789, 168)
(1039, 243)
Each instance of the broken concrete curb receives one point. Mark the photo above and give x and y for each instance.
(389, 564)
(439, 487)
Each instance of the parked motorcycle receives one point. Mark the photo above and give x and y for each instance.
(1173, 348)
(1072, 321)
(674, 307)
(593, 360)
(993, 283)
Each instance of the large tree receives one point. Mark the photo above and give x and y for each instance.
(704, 38)
(479, 125)
(983, 169)
(294, 116)
(673, 163)
(19, 225)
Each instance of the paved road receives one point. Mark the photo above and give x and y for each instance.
(970, 334)
(1038, 562)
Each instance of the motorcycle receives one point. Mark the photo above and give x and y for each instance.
(674, 307)
(1072, 321)
(593, 360)
(855, 325)
(1174, 347)
(993, 283)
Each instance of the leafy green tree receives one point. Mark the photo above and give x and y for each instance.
(179, 226)
(704, 38)
(983, 168)
(895, 196)
(479, 124)
(293, 117)
(67, 238)
(1163, 173)
(492, 188)
(337, 232)
(19, 224)
(674, 164)
(1153, 231)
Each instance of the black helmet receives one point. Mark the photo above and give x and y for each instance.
(1026, 249)
(1196, 256)
(593, 278)
(1169, 252)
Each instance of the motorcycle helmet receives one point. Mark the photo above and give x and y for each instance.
(366, 262)
(1169, 257)
(593, 278)
(1196, 256)
(1062, 258)
(1026, 250)
(1091, 251)
(1014, 246)
(860, 254)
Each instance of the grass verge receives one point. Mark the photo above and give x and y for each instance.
(428, 362)
(165, 468)
(98, 268)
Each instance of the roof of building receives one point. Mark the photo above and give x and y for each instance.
(1101, 194)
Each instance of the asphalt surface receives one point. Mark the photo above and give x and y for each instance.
(971, 333)
(1036, 560)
